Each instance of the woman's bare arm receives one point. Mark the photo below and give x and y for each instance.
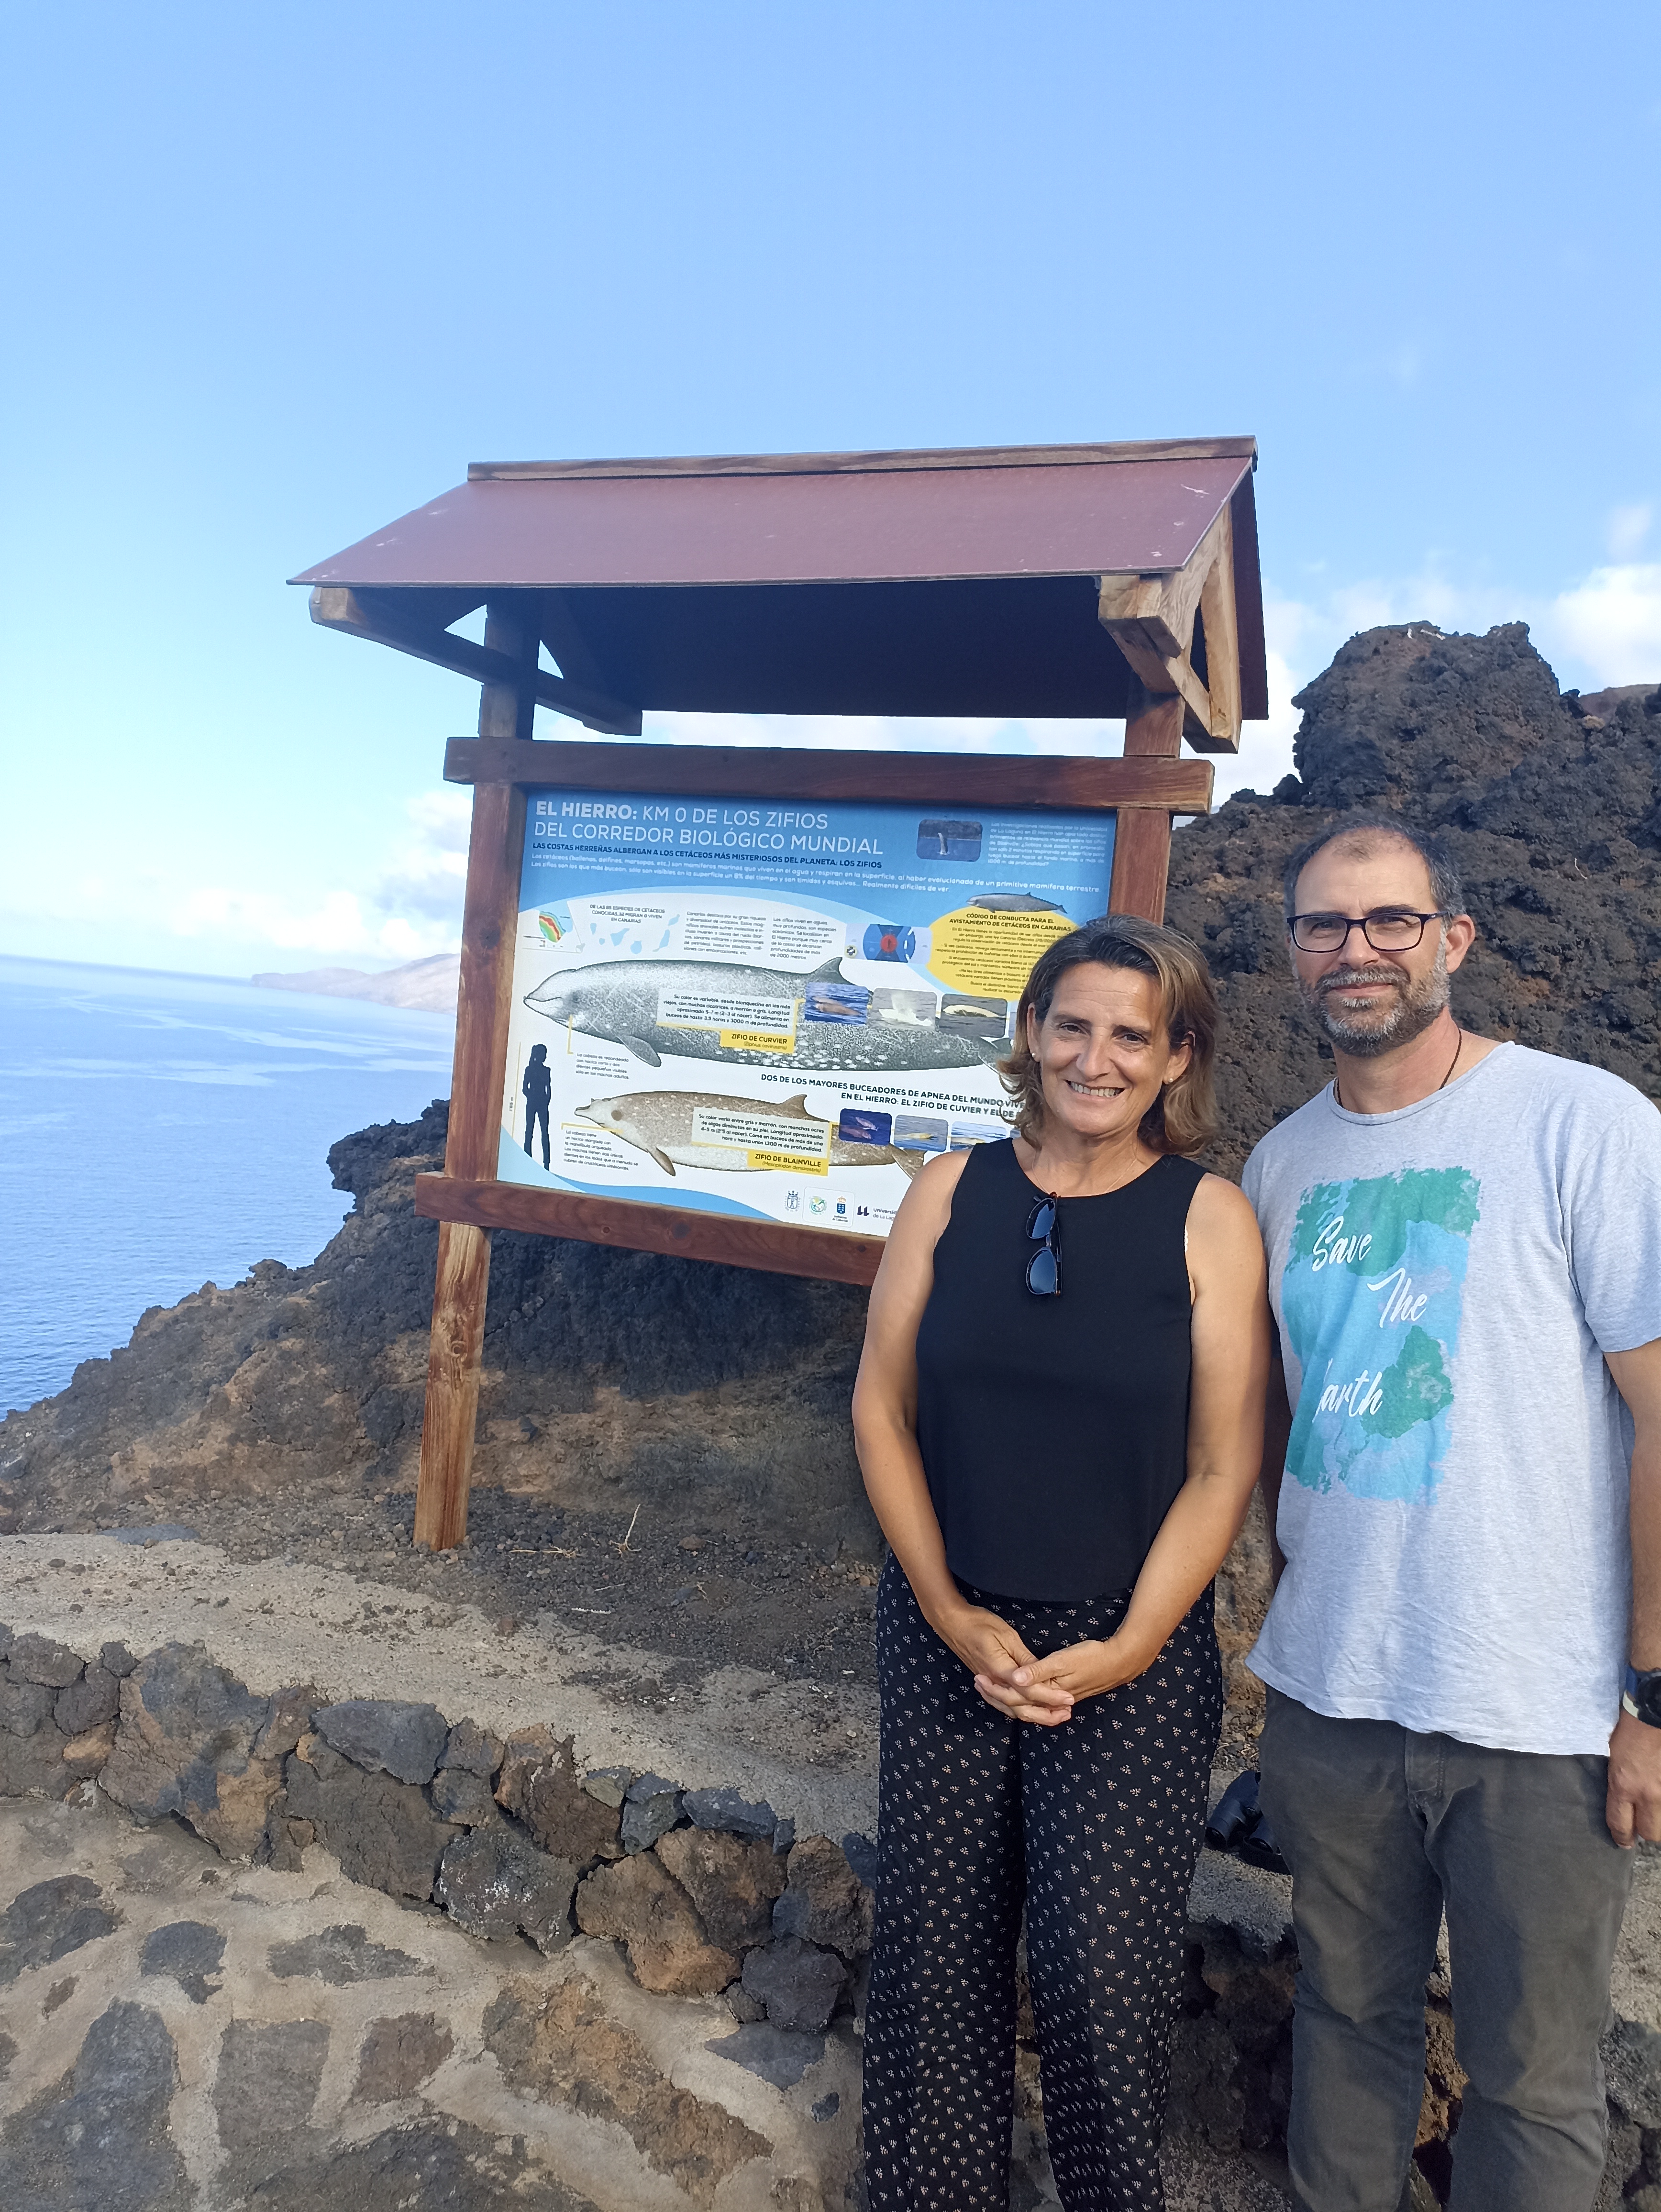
(1231, 1341)
(885, 1425)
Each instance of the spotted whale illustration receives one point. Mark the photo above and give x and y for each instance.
(619, 1002)
(664, 1125)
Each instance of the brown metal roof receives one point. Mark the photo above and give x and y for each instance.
(931, 583)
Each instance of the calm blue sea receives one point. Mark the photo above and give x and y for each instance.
(159, 1132)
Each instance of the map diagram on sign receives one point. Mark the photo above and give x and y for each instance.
(777, 1011)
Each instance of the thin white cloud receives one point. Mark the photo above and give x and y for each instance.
(1612, 623)
(411, 909)
(1627, 529)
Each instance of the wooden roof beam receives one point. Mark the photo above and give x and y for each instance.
(1151, 619)
(874, 463)
(358, 615)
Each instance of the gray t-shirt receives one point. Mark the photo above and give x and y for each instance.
(1454, 1514)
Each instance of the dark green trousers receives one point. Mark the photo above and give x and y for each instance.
(1383, 1829)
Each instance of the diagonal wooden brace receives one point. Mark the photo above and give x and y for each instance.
(1151, 620)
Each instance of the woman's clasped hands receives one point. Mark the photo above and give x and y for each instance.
(1016, 1681)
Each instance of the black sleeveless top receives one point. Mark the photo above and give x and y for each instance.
(1054, 1431)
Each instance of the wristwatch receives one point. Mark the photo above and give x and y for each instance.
(1642, 1696)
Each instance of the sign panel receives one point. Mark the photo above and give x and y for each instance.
(776, 1009)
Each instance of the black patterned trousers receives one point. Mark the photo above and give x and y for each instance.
(1094, 1826)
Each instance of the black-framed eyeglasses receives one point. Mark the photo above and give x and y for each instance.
(1392, 929)
(1043, 1269)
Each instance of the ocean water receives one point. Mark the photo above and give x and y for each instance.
(158, 1132)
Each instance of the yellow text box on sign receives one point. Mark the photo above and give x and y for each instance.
(991, 954)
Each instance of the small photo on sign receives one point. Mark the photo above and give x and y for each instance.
(888, 941)
(948, 840)
(858, 1126)
(966, 1134)
(977, 1018)
(919, 1133)
(905, 1010)
(835, 1002)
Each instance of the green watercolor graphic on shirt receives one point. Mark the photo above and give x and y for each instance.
(1445, 1197)
(1370, 1296)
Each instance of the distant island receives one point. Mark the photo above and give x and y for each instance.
(429, 986)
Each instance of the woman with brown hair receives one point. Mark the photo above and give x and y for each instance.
(1059, 1416)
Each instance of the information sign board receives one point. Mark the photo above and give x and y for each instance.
(774, 1008)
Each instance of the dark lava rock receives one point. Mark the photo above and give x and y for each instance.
(88, 1703)
(382, 1831)
(1553, 823)
(50, 1920)
(189, 1951)
(185, 1746)
(539, 1784)
(116, 1659)
(268, 2075)
(462, 1797)
(341, 1955)
(442, 2165)
(385, 1737)
(1632, 2064)
(798, 1982)
(733, 1881)
(640, 1904)
(34, 1766)
(494, 1884)
(37, 1659)
(825, 1901)
(650, 1809)
(726, 1809)
(49, 1764)
(862, 1855)
(399, 2054)
(25, 1706)
(827, 2107)
(473, 1750)
(742, 2006)
(291, 1711)
(777, 2056)
(98, 2137)
(610, 1785)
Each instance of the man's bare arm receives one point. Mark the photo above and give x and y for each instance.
(1277, 1431)
(1635, 1797)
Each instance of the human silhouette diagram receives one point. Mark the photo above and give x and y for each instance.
(538, 1086)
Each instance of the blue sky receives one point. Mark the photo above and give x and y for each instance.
(274, 276)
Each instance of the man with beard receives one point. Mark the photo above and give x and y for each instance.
(1463, 1652)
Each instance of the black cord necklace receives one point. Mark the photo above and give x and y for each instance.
(1337, 1096)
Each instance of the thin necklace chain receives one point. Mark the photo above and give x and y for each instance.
(1338, 1098)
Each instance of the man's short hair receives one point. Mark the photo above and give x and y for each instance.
(1366, 830)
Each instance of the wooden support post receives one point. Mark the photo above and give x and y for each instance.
(1141, 834)
(495, 848)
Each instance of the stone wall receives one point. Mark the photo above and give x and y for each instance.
(705, 1895)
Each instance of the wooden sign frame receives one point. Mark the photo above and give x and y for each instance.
(1144, 789)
